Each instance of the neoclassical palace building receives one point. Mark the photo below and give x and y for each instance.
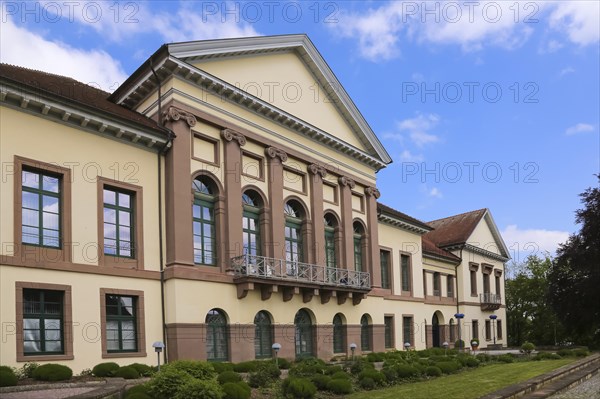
(222, 199)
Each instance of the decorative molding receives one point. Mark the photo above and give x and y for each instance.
(372, 192)
(346, 181)
(317, 169)
(230, 135)
(497, 272)
(175, 114)
(273, 153)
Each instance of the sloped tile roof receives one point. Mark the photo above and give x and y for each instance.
(454, 230)
(430, 248)
(402, 216)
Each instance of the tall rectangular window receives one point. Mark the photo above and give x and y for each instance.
(43, 319)
(41, 209)
(405, 273)
(499, 329)
(450, 286)
(407, 331)
(384, 257)
(389, 331)
(118, 223)
(436, 284)
(121, 323)
(486, 283)
(488, 330)
(475, 329)
(498, 292)
(204, 232)
(473, 283)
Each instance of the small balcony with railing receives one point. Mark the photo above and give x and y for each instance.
(270, 275)
(490, 301)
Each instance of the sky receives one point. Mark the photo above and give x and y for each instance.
(481, 104)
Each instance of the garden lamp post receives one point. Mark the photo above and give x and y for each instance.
(493, 318)
(407, 346)
(276, 347)
(459, 316)
(158, 347)
(352, 348)
(445, 345)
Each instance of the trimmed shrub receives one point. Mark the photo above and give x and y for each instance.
(483, 357)
(367, 383)
(471, 362)
(339, 386)
(341, 375)
(448, 367)
(245, 367)
(433, 371)
(127, 372)
(221, 367)
(321, 381)
(330, 370)
(228, 376)
(376, 357)
(527, 348)
(459, 344)
(8, 377)
(237, 390)
(546, 356)
(284, 364)
(406, 371)
(373, 374)
(506, 358)
(105, 369)
(52, 372)
(298, 388)
(390, 374)
(141, 389)
(308, 367)
(581, 352)
(166, 383)
(197, 369)
(565, 353)
(143, 369)
(359, 365)
(199, 389)
(265, 374)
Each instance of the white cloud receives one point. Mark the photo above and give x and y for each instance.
(579, 128)
(24, 48)
(566, 71)
(524, 242)
(435, 192)
(418, 128)
(407, 156)
(579, 20)
(551, 46)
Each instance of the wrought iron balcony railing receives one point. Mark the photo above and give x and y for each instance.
(283, 270)
(489, 298)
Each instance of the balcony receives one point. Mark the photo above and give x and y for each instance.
(490, 301)
(273, 275)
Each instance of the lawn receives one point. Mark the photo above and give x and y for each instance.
(468, 384)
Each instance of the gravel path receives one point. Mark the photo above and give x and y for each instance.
(58, 393)
(589, 389)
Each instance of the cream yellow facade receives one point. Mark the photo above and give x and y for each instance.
(255, 219)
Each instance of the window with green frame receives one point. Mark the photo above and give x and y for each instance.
(339, 334)
(294, 251)
(358, 250)
(118, 223)
(303, 334)
(330, 250)
(204, 229)
(217, 341)
(121, 323)
(405, 272)
(388, 322)
(251, 224)
(407, 329)
(41, 209)
(384, 257)
(263, 335)
(43, 322)
(365, 333)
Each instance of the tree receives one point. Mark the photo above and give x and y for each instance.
(530, 317)
(575, 274)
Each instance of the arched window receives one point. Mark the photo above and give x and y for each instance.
(358, 246)
(365, 333)
(251, 223)
(304, 334)
(339, 334)
(263, 335)
(330, 250)
(216, 336)
(294, 250)
(204, 229)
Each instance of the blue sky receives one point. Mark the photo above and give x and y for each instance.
(480, 104)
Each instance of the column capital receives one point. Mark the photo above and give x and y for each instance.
(372, 192)
(173, 114)
(346, 181)
(230, 135)
(317, 169)
(273, 152)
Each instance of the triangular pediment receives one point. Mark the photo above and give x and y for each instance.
(486, 236)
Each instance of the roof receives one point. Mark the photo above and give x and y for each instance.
(73, 91)
(381, 208)
(177, 59)
(429, 248)
(454, 230)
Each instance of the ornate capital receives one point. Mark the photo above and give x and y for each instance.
(346, 181)
(175, 114)
(317, 169)
(372, 192)
(230, 135)
(273, 153)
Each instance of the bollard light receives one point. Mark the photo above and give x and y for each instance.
(493, 318)
(276, 347)
(445, 345)
(352, 348)
(158, 348)
(407, 345)
(459, 316)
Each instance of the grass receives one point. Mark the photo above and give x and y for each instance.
(469, 384)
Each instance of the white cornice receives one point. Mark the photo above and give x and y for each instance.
(395, 222)
(486, 253)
